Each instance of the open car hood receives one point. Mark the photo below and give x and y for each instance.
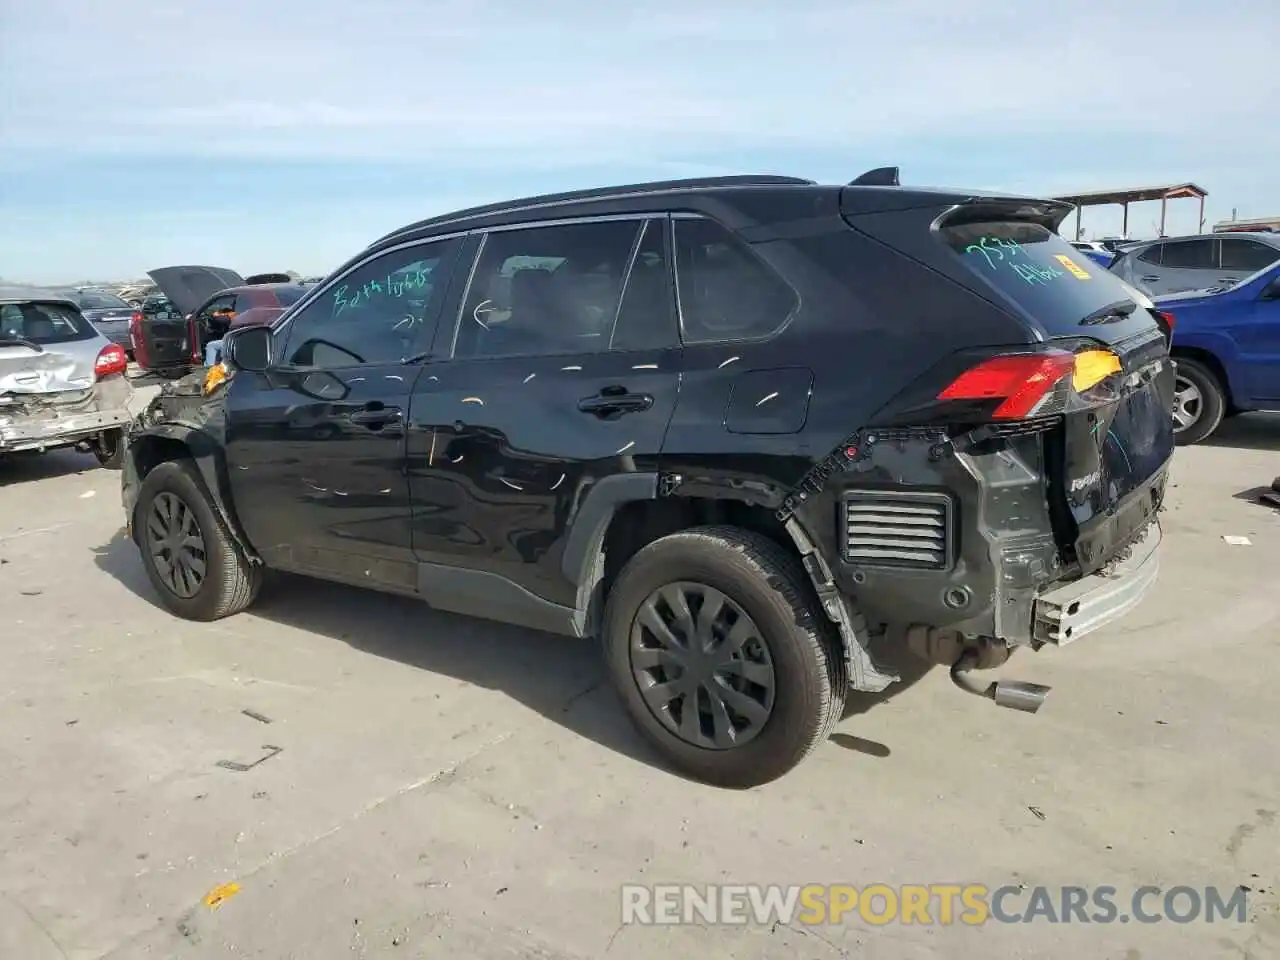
(188, 287)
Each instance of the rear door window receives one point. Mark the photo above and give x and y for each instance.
(42, 323)
(1247, 256)
(1043, 275)
(1190, 255)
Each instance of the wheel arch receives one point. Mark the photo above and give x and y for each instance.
(1213, 363)
(168, 442)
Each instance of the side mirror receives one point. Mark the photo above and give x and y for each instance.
(248, 348)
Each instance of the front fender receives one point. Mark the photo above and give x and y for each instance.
(199, 439)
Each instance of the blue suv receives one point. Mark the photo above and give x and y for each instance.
(1226, 343)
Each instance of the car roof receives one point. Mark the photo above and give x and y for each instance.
(867, 195)
(20, 293)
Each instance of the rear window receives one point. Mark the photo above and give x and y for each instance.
(1064, 291)
(42, 323)
(92, 300)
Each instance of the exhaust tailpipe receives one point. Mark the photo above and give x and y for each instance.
(1015, 694)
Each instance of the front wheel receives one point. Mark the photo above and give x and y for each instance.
(1199, 401)
(191, 560)
(722, 655)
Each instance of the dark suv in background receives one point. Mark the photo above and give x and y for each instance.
(735, 428)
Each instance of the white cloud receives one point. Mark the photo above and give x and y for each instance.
(561, 81)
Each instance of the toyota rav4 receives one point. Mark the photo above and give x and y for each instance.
(734, 428)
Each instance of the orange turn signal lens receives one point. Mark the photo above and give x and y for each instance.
(1092, 367)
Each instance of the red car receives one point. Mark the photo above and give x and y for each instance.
(206, 303)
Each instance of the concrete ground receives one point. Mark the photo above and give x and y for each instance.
(438, 787)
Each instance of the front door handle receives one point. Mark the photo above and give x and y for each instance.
(613, 402)
(375, 416)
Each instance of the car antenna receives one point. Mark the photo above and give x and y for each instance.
(879, 177)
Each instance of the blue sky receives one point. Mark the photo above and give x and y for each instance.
(288, 134)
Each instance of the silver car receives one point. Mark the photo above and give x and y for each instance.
(62, 383)
(1178, 264)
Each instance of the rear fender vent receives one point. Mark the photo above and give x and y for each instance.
(898, 529)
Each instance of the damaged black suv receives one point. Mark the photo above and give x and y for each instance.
(735, 428)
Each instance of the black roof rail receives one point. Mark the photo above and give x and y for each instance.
(879, 177)
(602, 193)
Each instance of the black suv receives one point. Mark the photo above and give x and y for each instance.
(736, 428)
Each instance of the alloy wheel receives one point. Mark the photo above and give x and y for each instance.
(702, 666)
(176, 545)
(1188, 404)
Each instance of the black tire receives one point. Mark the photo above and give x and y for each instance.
(1205, 417)
(230, 582)
(109, 449)
(769, 584)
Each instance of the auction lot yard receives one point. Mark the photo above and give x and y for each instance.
(451, 788)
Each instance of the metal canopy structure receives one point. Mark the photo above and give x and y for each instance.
(1170, 191)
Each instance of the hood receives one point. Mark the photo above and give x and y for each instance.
(1186, 295)
(188, 287)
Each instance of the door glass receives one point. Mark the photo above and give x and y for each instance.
(647, 317)
(1247, 256)
(545, 291)
(380, 312)
(1189, 255)
(726, 291)
(1152, 254)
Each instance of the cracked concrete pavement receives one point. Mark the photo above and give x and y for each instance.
(448, 787)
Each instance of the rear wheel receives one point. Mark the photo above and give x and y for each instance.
(1199, 401)
(722, 655)
(190, 558)
(109, 449)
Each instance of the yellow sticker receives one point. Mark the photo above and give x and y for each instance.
(1077, 271)
(218, 895)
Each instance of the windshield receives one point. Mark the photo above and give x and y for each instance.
(42, 323)
(1065, 292)
(96, 300)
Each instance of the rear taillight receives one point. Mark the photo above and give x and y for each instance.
(1021, 385)
(1166, 323)
(135, 330)
(111, 359)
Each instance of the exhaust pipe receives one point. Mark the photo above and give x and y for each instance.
(1015, 694)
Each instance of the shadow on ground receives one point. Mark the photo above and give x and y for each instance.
(28, 467)
(1248, 431)
(560, 678)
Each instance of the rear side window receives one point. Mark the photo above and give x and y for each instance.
(726, 292)
(1248, 256)
(1152, 254)
(1189, 255)
(1067, 293)
(43, 323)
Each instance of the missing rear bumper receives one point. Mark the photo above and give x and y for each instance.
(1068, 612)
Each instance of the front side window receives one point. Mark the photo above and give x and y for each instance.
(42, 323)
(726, 292)
(379, 312)
(546, 291)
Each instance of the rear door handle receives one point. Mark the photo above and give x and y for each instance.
(1150, 279)
(614, 401)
